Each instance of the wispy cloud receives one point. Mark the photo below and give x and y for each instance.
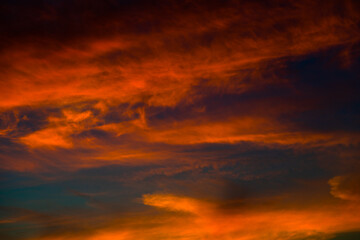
(179, 119)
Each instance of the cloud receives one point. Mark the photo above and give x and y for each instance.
(206, 221)
(248, 129)
(172, 203)
(51, 137)
(162, 66)
(199, 119)
(253, 223)
(345, 187)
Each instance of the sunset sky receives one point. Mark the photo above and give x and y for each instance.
(186, 120)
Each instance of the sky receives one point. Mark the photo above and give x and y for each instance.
(188, 120)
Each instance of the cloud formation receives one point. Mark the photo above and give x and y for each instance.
(345, 187)
(179, 119)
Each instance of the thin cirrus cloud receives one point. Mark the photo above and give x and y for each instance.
(179, 120)
(128, 72)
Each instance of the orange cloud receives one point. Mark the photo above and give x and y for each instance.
(247, 129)
(199, 49)
(255, 223)
(144, 142)
(207, 221)
(101, 235)
(135, 68)
(49, 137)
(59, 130)
(345, 187)
(131, 86)
(173, 203)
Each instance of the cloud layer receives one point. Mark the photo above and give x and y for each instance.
(179, 119)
